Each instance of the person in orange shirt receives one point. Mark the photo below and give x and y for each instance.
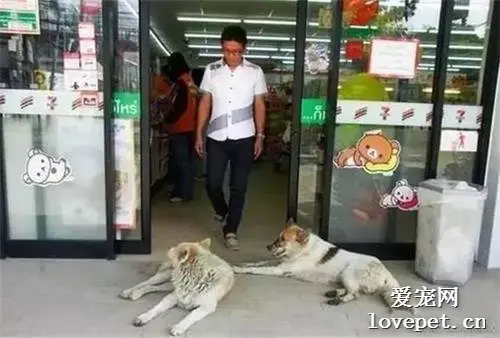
(182, 130)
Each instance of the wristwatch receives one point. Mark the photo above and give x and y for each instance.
(261, 135)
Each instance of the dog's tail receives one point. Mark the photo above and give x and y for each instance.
(388, 293)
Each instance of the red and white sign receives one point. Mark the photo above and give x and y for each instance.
(393, 58)
(91, 7)
(86, 30)
(459, 140)
(71, 60)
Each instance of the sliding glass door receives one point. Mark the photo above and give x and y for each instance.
(383, 107)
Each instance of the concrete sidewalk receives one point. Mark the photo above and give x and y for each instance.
(61, 298)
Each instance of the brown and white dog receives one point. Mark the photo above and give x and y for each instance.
(200, 279)
(304, 256)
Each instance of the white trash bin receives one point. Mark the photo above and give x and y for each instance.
(449, 224)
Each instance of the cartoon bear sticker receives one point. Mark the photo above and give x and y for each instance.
(44, 170)
(403, 196)
(374, 152)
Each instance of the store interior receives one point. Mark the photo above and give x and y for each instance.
(193, 28)
(265, 207)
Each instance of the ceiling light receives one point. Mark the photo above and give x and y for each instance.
(248, 56)
(262, 49)
(202, 36)
(207, 19)
(460, 58)
(282, 57)
(423, 45)
(446, 91)
(270, 38)
(466, 66)
(269, 22)
(204, 46)
(159, 43)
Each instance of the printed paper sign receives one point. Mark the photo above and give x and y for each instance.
(89, 62)
(78, 80)
(87, 47)
(71, 61)
(125, 174)
(393, 58)
(91, 7)
(86, 30)
(43, 170)
(459, 140)
(403, 196)
(374, 153)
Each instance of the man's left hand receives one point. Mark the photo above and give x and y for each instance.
(258, 147)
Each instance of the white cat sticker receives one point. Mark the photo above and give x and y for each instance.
(403, 196)
(44, 170)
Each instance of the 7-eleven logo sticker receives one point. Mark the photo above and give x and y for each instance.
(407, 114)
(385, 112)
(359, 113)
(460, 115)
(51, 102)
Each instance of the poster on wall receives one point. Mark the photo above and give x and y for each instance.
(44, 170)
(459, 141)
(393, 58)
(374, 152)
(403, 197)
(19, 17)
(125, 174)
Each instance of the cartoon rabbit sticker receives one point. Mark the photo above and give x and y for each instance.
(403, 196)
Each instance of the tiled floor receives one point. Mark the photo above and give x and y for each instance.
(79, 298)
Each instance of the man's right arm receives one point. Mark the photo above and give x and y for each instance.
(203, 113)
(205, 104)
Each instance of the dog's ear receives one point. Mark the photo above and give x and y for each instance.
(206, 243)
(290, 222)
(186, 255)
(303, 235)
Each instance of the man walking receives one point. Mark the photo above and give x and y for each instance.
(233, 90)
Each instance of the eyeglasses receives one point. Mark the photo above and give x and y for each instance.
(236, 52)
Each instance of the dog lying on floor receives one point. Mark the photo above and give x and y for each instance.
(305, 256)
(200, 280)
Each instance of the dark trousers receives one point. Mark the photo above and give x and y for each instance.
(239, 153)
(182, 165)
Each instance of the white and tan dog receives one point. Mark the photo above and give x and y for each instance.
(200, 280)
(304, 256)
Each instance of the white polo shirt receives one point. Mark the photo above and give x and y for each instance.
(233, 94)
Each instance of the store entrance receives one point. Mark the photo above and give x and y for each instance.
(266, 198)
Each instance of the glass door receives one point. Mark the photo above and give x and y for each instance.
(371, 92)
(53, 130)
(130, 89)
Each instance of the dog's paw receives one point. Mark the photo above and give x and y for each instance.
(331, 294)
(176, 330)
(125, 294)
(334, 301)
(140, 321)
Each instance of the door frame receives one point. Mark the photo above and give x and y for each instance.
(396, 251)
(142, 246)
(64, 248)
